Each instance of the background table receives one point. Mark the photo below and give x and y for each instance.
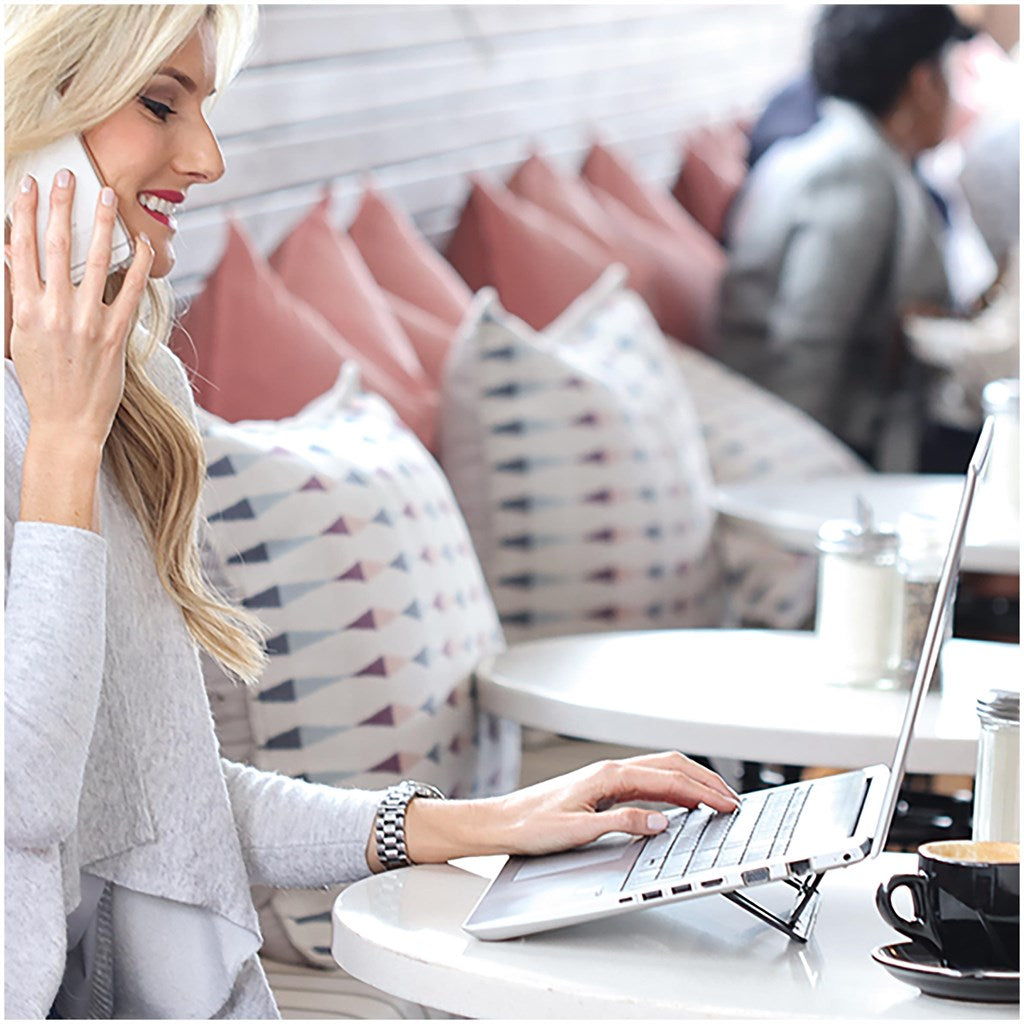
(758, 695)
(791, 513)
(704, 958)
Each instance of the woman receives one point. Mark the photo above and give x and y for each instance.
(130, 845)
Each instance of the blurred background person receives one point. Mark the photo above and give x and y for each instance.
(979, 169)
(833, 234)
(789, 113)
(990, 176)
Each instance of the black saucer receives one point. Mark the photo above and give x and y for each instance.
(916, 965)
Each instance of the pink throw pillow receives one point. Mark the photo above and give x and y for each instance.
(537, 263)
(324, 268)
(566, 197)
(712, 172)
(260, 352)
(431, 337)
(404, 263)
(690, 261)
(256, 352)
(614, 174)
(684, 294)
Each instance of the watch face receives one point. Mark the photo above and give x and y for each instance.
(425, 789)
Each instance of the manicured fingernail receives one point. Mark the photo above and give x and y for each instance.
(143, 237)
(63, 178)
(107, 197)
(657, 821)
(27, 182)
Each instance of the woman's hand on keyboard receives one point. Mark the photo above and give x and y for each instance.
(564, 812)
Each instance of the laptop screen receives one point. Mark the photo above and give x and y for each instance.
(931, 646)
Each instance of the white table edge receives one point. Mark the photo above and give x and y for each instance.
(789, 529)
(550, 711)
(443, 985)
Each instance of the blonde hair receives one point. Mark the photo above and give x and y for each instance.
(66, 69)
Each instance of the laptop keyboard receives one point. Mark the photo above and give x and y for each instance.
(761, 827)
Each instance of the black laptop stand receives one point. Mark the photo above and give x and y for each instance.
(801, 919)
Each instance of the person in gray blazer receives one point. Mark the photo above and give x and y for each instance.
(130, 844)
(832, 234)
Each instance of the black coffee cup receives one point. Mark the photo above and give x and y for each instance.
(966, 903)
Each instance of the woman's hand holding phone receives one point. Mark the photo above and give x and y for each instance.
(68, 348)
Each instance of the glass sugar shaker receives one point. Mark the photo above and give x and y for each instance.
(997, 781)
(922, 548)
(1001, 400)
(859, 593)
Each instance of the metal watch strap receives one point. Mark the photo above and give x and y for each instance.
(389, 827)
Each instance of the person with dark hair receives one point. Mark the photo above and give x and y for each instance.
(833, 235)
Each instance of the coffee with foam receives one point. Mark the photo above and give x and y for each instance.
(971, 852)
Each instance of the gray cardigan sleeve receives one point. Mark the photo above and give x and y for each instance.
(297, 834)
(54, 625)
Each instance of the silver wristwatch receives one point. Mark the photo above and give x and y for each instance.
(389, 828)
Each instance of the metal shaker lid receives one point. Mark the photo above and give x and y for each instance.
(860, 537)
(845, 537)
(1001, 396)
(999, 706)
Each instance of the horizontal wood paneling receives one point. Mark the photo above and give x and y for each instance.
(423, 95)
(308, 32)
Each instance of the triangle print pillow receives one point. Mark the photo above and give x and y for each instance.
(340, 532)
(579, 464)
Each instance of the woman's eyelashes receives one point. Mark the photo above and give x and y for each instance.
(156, 108)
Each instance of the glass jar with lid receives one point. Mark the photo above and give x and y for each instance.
(859, 594)
(1001, 487)
(997, 780)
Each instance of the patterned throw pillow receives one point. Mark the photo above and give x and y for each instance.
(339, 530)
(579, 464)
(752, 434)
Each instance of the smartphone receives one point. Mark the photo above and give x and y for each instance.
(71, 152)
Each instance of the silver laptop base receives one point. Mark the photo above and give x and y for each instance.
(801, 919)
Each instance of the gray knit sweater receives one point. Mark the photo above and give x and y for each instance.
(112, 765)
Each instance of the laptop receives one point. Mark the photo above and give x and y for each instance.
(791, 833)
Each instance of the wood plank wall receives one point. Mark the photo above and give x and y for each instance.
(422, 95)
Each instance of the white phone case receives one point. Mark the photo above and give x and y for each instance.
(71, 153)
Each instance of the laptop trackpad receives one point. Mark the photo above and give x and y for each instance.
(572, 860)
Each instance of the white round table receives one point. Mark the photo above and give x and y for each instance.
(791, 513)
(700, 959)
(756, 695)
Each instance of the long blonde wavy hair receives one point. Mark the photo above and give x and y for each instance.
(67, 68)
